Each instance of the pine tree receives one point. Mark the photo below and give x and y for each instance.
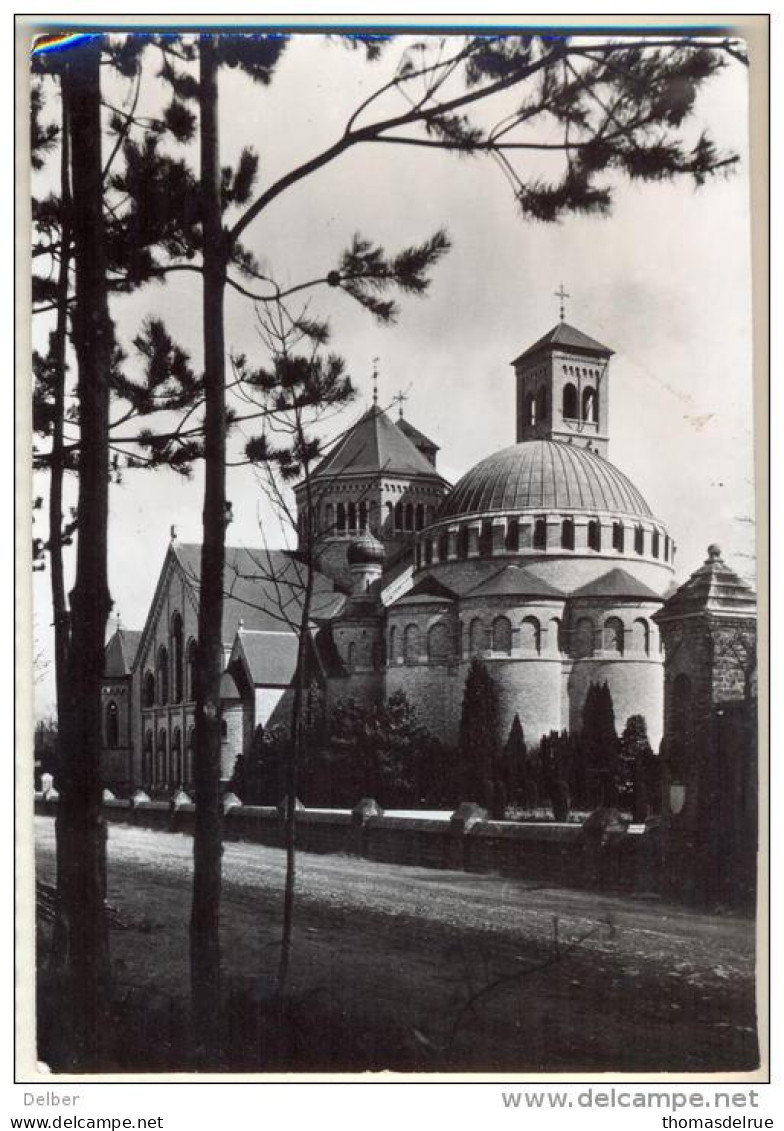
(478, 732)
(635, 769)
(599, 743)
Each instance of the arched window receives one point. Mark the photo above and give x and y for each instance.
(162, 760)
(666, 547)
(639, 543)
(530, 635)
(439, 643)
(177, 657)
(392, 645)
(224, 729)
(541, 404)
(176, 757)
(363, 515)
(112, 726)
(567, 534)
(430, 514)
(398, 516)
(147, 760)
(582, 638)
(570, 402)
(529, 409)
(341, 512)
(163, 675)
(655, 544)
(513, 536)
(352, 516)
(191, 663)
(409, 516)
(613, 635)
(618, 537)
(594, 535)
(420, 516)
(443, 547)
(590, 405)
(390, 516)
(540, 534)
(148, 690)
(352, 657)
(329, 518)
(641, 636)
(411, 644)
(477, 637)
(486, 538)
(502, 636)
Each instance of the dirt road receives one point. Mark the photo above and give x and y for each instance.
(443, 970)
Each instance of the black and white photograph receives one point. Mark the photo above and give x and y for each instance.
(395, 552)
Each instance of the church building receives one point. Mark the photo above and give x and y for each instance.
(543, 559)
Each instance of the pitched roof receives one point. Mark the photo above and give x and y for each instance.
(263, 588)
(375, 444)
(515, 581)
(120, 652)
(417, 438)
(617, 583)
(713, 588)
(566, 337)
(270, 657)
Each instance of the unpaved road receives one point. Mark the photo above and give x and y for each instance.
(444, 970)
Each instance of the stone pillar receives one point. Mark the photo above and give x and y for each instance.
(553, 532)
(606, 529)
(581, 533)
(499, 536)
(451, 554)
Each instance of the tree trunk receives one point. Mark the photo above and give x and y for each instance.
(207, 840)
(292, 768)
(59, 606)
(81, 926)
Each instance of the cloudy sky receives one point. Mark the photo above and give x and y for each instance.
(664, 281)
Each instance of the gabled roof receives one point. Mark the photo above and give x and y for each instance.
(270, 657)
(262, 588)
(564, 336)
(714, 588)
(375, 444)
(426, 591)
(514, 581)
(120, 652)
(617, 583)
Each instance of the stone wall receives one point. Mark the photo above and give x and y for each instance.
(559, 854)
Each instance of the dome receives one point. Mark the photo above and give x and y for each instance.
(365, 550)
(543, 475)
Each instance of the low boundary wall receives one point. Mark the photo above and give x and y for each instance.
(605, 854)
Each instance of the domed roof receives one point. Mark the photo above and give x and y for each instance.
(365, 550)
(543, 475)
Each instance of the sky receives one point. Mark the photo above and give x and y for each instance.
(664, 282)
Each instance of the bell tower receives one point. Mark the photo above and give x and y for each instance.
(563, 388)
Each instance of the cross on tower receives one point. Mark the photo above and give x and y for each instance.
(375, 382)
(400, 398)
(562, 294)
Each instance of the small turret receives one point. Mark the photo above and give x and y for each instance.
(365, 558)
